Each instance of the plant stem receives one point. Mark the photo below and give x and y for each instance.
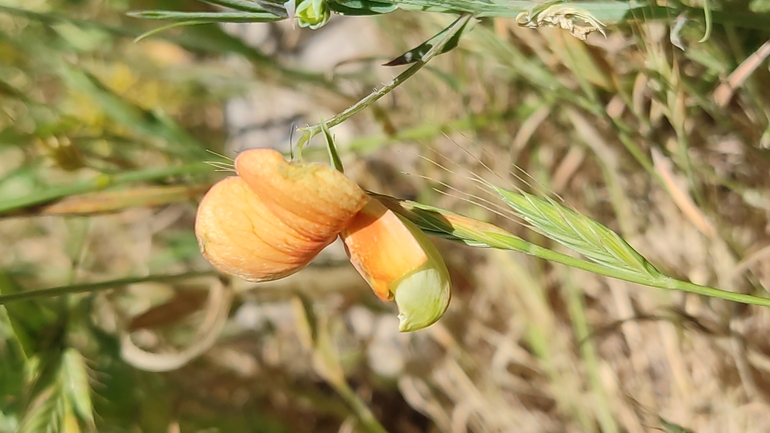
(311, 131)
(99, 183)
(362, 411)
(510, 242)
(95, 287)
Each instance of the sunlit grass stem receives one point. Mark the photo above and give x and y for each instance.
(101, 182)
(102, 285)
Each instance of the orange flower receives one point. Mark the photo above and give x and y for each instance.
(275, 217)
(399, 263)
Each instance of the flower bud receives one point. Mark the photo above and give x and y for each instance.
(312, 13)
(399, 262)
(274, 218)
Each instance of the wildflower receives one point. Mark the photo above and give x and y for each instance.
(399, 263)
(273, 218)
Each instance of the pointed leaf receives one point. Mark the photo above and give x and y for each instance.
(46, 413)
(362, 7)
(13, 367)
(206, 17)
(28, 319)
(238, 5)
(274, 7)
(416, 54)
(74, 378)
(331, 147)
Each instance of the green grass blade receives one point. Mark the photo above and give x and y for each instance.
(74, 379)
(99, 183)
(162, 29)
(95, 287)
(708, 20)
(207, 17)
(238, 5)
(331, 148)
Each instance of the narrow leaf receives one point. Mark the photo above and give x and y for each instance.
(238, 5)
(46, 413)
(362, 7)
(13, 366)
(417, 54)
(74, 378)
(274, 7)
(28, 319)
(206, 17)
(113, 201)
(154, 32)
(331, 147)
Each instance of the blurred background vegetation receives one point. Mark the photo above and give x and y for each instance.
(104, 144)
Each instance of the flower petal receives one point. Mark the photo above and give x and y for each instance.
(399, 262)
(240, 236)
(313, 199)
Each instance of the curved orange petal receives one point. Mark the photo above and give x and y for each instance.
(239, 235)
(381, 248)
(313, 199)
(399, 263)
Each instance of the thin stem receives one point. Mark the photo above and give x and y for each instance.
(311, 131)
(507, 242)
(577, 311)
(95, 287)
(362, 411)
(99, 183)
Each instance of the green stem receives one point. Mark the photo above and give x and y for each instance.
(311, 131)
(95, 287)
(362, 411)
(577, 311)
(98, 183)
(510, 242)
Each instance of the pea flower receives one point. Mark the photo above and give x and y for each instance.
(275, 216)
(399, 263)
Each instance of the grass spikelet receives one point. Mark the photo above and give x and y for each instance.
(577, 232)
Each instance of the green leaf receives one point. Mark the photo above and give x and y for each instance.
(242, 5)
(13, 367)
(417, 54)
(162, 29)
(331, 147)
(150, 124)
(28, 319)
(670, 427)
(362, 7)
(74, 378)
(98, 183)
(46, 414)
(207, 17)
